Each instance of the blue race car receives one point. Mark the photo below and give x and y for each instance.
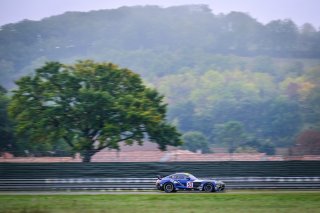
(186, 181)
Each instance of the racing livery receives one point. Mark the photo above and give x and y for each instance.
(186, 181)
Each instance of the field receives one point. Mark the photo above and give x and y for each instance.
(265, 201)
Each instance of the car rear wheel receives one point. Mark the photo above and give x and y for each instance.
(169, 187)
(208, 187)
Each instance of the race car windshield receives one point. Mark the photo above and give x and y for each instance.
(192, 177)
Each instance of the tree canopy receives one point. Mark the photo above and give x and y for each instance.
(90, 106)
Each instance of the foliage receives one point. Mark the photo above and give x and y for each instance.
(311, 98)
(6, 136)
(212, 68)
(194, 141)
(24, 146)
(153, 39)
(231, 134)
(215, 98)
(90, 106)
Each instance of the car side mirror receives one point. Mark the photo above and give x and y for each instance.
(188, 178)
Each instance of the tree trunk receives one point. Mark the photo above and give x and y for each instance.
(87, 154)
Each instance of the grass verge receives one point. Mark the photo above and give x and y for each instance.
(192, 202)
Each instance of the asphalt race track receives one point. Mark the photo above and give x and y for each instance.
(153, 192)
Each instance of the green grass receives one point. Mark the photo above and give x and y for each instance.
(178, 202)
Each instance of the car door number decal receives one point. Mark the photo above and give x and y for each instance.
(189, 184)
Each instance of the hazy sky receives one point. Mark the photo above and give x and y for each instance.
(300, 11)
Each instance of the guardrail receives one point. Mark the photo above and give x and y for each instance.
(144, 169)
(118, 184)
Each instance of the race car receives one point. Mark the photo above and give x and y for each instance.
(185, 181)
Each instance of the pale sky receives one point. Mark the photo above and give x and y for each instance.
(300, 11)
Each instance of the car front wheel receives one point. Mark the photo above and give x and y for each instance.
(208, 187)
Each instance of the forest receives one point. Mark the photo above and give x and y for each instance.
(229, 80)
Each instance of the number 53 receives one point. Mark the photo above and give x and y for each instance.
(189, 185)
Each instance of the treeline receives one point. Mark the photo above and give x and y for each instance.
(245, 110)
(228, 79)
(151, 40)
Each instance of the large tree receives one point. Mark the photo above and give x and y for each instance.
(91, 106)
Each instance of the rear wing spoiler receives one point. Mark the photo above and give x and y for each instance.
(159, 177)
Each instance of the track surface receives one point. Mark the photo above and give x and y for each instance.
(154, 192)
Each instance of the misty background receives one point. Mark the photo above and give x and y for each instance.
(246, 80)
(300, 11)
